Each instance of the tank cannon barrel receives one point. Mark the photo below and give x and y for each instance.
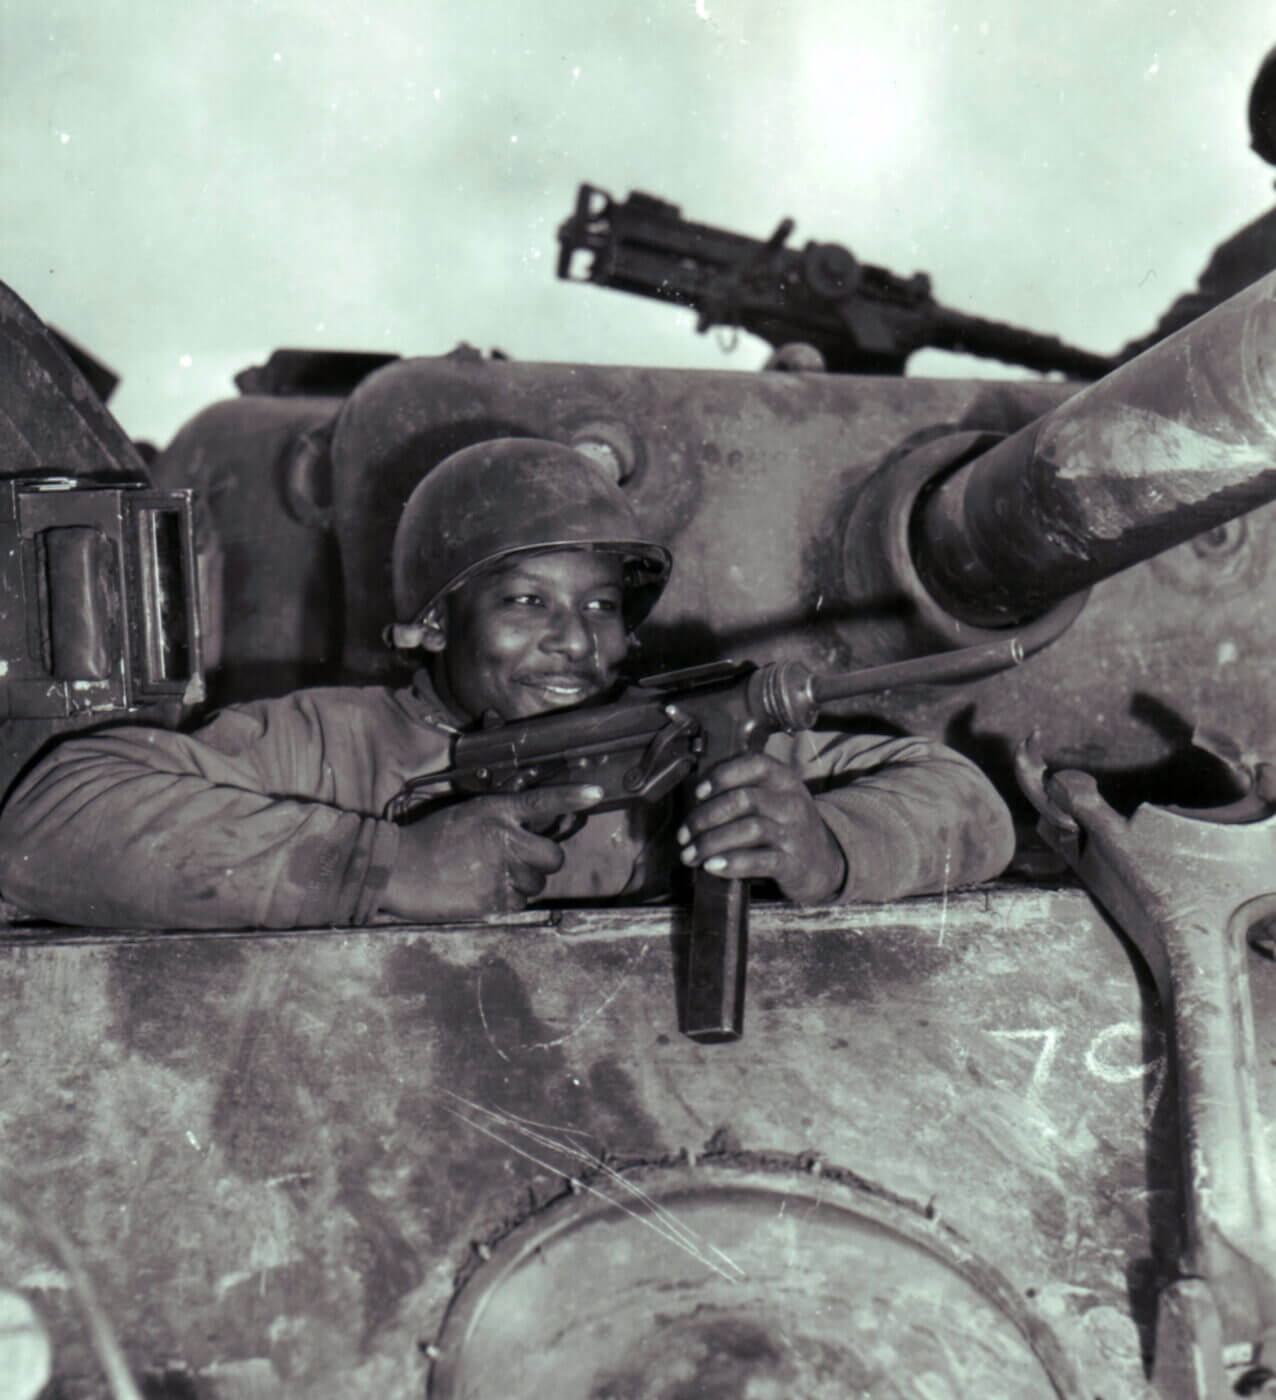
(1169, 446)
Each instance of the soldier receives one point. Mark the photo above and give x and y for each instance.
(519, 574)
(1248, 254)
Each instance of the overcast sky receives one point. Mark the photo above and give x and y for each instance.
(188, 186)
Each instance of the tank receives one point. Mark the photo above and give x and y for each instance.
(958, 1149)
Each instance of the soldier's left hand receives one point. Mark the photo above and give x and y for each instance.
(755, 819)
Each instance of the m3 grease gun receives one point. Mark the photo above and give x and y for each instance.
(667, 730)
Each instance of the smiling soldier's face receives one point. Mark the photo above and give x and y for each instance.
(535, 633)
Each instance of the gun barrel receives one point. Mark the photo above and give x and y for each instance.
(1172, 444)
(1013, 345)
(966, 664)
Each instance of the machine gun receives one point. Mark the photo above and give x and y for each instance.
(665, 731)
(861, 318)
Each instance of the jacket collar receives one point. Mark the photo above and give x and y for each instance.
(429, 706)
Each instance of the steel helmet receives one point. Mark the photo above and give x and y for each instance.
(513, 496)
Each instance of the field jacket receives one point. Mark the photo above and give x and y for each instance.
(272, 816)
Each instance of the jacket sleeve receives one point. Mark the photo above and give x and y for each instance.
(242, 824)
(911, 815)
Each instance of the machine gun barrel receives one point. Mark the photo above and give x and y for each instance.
(1169, 446)
(995, 340)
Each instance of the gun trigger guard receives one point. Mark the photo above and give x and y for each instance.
(411, 798)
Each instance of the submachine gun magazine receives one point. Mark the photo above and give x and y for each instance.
(665, 731)
(862, 319)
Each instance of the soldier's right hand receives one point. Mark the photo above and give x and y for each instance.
(482, 855)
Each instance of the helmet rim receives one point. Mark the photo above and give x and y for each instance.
(645, 553)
